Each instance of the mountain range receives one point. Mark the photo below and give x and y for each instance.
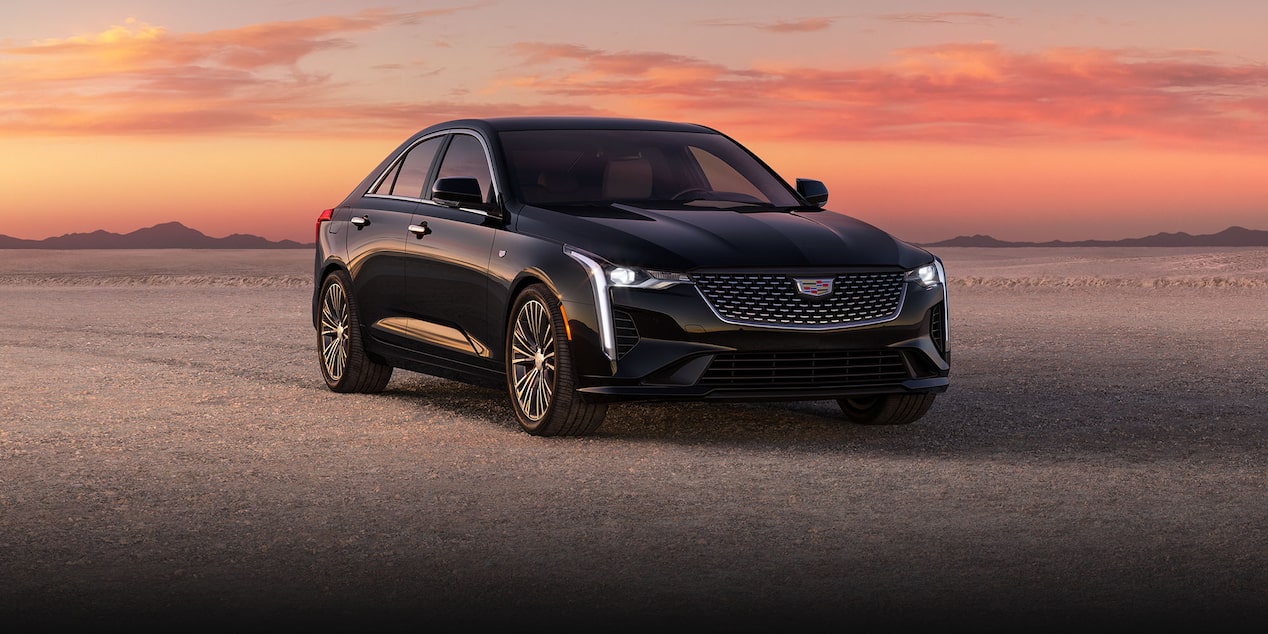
(169, 235)
(1230, 237)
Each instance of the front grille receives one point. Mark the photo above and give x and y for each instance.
(772, 299)
(805, 370)
(626, 332)
(938, 327)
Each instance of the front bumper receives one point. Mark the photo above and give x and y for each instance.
(672, 345)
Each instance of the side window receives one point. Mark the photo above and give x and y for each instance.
(385, 186)
(465, 157)
(722, 177)
(407, 178)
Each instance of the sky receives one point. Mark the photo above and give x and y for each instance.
(1022, 120)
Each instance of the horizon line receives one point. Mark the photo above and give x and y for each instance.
(920, 243)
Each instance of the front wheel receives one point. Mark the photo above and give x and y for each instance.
(886, 409)
(539, 375)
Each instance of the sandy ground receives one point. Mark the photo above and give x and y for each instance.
(170, 459)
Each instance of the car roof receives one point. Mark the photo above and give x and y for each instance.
(506, 124)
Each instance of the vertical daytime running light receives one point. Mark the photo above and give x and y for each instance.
(602, 300)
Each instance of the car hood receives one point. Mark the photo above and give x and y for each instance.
(695, 238)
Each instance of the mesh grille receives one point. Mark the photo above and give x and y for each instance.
(626, 332)
(773, 299)
(805, 370)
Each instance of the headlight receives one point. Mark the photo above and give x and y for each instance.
(604, 275)
(629, 276)
(643, 278)
(929, 275)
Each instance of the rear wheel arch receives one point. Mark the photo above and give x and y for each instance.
(330, 267)
(345, 365)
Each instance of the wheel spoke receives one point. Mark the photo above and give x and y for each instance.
(543, 394)
(539, 403)
(520, 355)
(340, 359)
(523, 381)
(521, 338)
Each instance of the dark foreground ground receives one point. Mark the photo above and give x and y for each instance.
(169, 459)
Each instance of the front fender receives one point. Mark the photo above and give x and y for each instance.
(517, 262)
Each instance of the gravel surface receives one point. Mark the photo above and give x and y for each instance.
(170, 459)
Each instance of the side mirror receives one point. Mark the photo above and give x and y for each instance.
(815, 192)
(457, 191)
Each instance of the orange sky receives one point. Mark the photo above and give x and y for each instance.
(1027, 121)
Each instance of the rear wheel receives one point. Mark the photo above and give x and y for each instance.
(344, 363)
(886, 409)
(539, 374)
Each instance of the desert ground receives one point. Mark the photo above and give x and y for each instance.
(170, 459)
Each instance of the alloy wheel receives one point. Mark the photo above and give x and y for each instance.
(335, 331)
(533, 359)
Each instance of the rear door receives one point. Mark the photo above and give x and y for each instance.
(377, 228)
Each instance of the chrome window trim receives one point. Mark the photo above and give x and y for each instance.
(396, 161)
(488, 161)
(478, 212)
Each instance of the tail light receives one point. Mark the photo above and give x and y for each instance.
(324, 217)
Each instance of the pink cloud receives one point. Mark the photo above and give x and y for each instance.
(136, 77)
(138, 46)
(953, 92)
(941, 17)
(803, 25)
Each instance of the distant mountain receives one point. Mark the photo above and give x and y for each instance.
(1230, 237)
(169, 235)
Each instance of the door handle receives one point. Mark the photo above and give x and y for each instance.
(360, 222)
(419, 230)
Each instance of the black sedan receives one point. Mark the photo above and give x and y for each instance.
(579, 261)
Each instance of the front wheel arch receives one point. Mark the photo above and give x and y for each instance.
(540, 378)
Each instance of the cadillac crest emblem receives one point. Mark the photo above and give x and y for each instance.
(814, 287)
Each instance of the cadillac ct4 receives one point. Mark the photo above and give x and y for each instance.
(576, 262)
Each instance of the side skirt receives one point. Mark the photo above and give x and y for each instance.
(484, 375)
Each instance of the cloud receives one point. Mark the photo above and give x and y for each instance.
(137, 77)
(942, 17)
(958, 92)
(803, 25)
(141, 79)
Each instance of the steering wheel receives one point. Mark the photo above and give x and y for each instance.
(683, 195)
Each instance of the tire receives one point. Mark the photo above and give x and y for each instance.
(886, 409)
(340, 350)
(539, 376)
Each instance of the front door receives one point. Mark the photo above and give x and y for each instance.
(447, 263)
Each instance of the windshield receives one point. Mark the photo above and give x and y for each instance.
(638, 167)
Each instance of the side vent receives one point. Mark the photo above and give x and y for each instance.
(938, 328)
(626, 332)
